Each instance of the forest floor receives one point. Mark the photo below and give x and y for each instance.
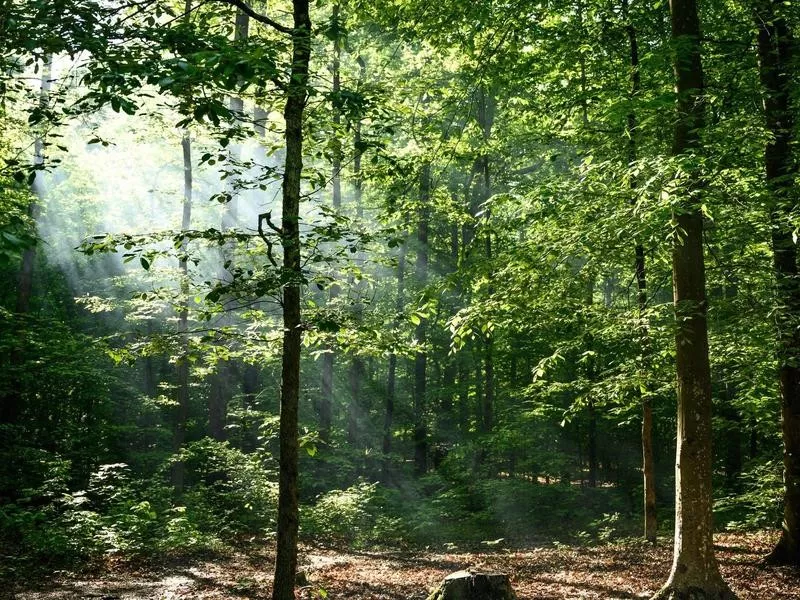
(629, 569)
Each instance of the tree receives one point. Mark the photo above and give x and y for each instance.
(421, 356)
(695, 573)
(288, 509)
(775, 58)
(640, 272)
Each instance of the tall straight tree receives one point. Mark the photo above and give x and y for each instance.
(774, 57)
(648, 462)
(357, 369)
(288, 509)
(486, 113)
(182, 367)
(695, 573)
(10, 401)
(391, 378)
(421, 358)
(25, 283)
(328, 357)
(220, 392)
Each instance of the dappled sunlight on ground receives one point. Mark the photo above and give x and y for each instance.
(625, 570)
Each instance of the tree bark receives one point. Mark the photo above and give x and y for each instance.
(329, 357)
(288, 510)
(25, 285)
(774, 55)
(182, 366)
(391, 380)
(357, 369)
(421, 358)
(648, 461)
(695, 573)
(220, 385)
(11, 402)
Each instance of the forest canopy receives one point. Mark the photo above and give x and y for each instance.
(397, 275)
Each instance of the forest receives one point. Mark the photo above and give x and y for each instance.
(308, 299)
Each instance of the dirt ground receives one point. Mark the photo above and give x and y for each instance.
(625, 570)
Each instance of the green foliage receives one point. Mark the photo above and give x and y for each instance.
(758, 503)
(343, 516)
(537, 353)
(229, 493)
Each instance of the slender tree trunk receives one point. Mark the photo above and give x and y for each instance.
(336, 113)
(486, 113)
(150, 376)
(591, 453)
(775, 55)
(11, 402)
(357, 369)
(354, 375)
(220, 385)
(695, 573)
(391, 382)
(288, 510)
(182, 368)
(326, 400)
(329, 357)
(421, 358)
(648, 461)
(25, 284)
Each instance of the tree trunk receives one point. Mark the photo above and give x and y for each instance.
(326, 399)
(357, 369)
(421, 358)
(288, 510)
(695, 572)
(25, 285)
(354, 375)
(220, 391)
(329, 357)
(11, 401)
(486, 112)
(391, 382)
(471, 585)
(648, 461)
(182, 366)
(218, 396)
(774, 55)
(591, 453)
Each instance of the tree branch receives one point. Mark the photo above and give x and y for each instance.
(241, 5)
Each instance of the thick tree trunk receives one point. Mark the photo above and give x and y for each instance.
(421, 358)
(774, 54)
(648, 461)
(695, 573)
(288, 510)
(471, 585)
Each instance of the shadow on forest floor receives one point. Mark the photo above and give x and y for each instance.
(625, 570)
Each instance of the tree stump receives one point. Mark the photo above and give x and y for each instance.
(470, 585)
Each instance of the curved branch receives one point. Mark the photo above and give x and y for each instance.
(241, 5)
